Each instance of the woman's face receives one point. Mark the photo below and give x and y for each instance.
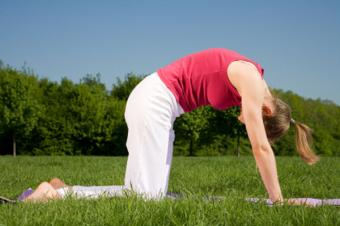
(266, 110)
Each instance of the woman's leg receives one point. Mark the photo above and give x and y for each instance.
(57, 189)
(150, 112)
(85, 191)
(92, 191)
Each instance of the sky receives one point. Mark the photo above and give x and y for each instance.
(297, 42)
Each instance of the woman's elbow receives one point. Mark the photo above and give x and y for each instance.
(261, 148)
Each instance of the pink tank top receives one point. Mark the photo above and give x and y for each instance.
(201, 79)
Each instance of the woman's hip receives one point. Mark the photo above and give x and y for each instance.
(151, 98)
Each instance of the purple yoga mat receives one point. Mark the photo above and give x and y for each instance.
(25, 194)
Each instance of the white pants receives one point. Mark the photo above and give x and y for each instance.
(91, 191)
(150, 112)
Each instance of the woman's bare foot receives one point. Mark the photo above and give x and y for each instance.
(56, 183)
(43, 193)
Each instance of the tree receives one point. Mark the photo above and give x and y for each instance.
(116, 125)
(122, 89)
(190, 126)
(67, 118)
(19, 108)
(225, 123)
(237, 129)
(88, 111)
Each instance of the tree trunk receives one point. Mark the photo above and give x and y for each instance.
(191, 148)
(238, 145)
(14, 147)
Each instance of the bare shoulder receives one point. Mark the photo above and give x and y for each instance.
(241, 64)
(243, 73)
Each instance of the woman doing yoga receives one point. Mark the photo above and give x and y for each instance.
(216, 77)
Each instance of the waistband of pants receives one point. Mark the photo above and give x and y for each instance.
(178, 109)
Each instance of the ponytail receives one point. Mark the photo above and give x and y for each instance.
(303, 142)
(278, 124)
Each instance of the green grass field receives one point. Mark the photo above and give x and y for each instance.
(231, 177)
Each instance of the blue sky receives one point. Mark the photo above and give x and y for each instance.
(297, 42)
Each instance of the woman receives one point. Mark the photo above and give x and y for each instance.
(216, 77)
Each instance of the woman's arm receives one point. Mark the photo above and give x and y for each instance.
(251, 87)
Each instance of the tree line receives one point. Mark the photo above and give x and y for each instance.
(42, 117)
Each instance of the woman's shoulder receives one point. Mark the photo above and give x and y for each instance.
(240, 71)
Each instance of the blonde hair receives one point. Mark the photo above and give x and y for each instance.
(278, 124)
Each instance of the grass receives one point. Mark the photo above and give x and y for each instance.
(231, 177)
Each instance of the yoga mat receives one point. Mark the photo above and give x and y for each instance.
(25, 194)
(176, 196)
(312, 202)
(4, 200)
